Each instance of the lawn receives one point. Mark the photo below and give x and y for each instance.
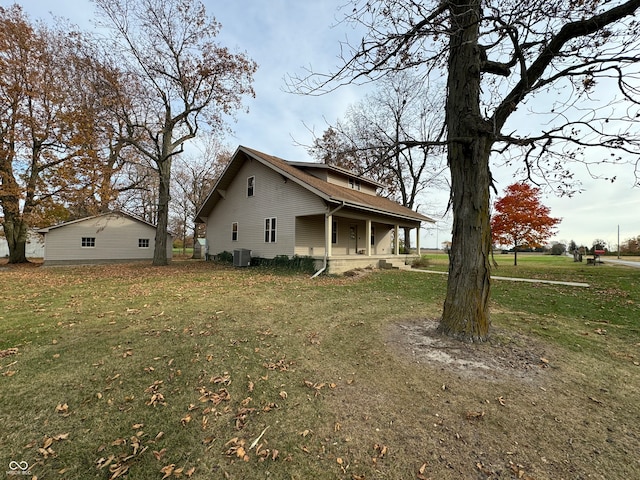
(202, 371)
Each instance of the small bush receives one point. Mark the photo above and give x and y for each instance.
(224, 257)
(296, 263)
(421, 262)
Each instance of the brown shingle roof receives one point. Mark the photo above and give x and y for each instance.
(337, 193)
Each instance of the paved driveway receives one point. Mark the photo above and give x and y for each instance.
(628, 263)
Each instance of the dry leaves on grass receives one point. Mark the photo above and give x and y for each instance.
(8, 351)
(170, 470)
(237, 448)
(119, 465)
(156, 398)
(45, 449)
(316, 387)
(216, 398)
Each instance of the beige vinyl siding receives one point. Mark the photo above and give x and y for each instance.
(310, 236)
(116, 239)
(343, 181)
(274, 197)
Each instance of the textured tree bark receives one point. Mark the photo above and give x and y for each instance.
(466, 307)
(15, 230)
(162, 222)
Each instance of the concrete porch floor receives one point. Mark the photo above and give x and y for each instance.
(337, 264)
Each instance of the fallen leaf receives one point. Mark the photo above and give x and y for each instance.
(381, 449)
(8, 351)
(159, 454)
(283, 395)
(475, 415)
(167, 470)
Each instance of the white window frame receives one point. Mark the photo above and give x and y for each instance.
(251, 186)
(270, 230)
(234, 231)
(88, 242)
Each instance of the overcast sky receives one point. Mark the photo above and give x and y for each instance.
(283, 37)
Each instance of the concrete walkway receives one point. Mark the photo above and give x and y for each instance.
(627, 263)
(514, 279)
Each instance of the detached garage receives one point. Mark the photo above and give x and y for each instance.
(106, 238)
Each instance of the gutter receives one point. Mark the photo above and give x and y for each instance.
(326, 242)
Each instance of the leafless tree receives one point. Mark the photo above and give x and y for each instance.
(576, 60)
(195, 175)
(382, 137)
(180, 80)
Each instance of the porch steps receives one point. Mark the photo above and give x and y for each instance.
(394, 264)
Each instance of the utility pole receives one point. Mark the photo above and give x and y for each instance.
(618, 241)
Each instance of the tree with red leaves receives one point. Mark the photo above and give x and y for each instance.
(521, 219)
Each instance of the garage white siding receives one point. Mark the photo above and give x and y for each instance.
(113, 237)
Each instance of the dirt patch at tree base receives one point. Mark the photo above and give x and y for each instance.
(503, 355)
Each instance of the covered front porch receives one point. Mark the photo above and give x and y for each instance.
(347, 241)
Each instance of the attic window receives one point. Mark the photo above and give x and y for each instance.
(251, 183)
(354, 183)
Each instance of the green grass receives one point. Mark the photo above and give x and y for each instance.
(134, 368)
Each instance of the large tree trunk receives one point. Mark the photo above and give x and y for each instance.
(162, 223)
(466, 307)
(407, 239)
(15, 230)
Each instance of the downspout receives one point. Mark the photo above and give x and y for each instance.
(326, 240)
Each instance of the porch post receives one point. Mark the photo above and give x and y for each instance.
(418, 240)
(368, 238)
(396, 240)
(328, 225)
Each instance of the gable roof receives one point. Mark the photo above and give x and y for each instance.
(115, 212)
(327, 191)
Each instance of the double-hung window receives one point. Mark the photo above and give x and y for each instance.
(270, 230)
(88, 242)
(234, 231)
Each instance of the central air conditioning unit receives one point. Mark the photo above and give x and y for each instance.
(241, 257)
